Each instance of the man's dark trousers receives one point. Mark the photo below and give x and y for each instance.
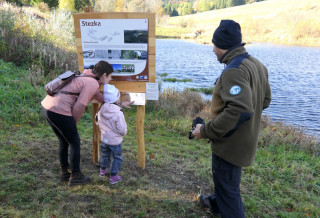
(226, 178)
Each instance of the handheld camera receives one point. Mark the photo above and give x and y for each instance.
(197, 120)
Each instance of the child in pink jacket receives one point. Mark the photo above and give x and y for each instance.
(112, 124)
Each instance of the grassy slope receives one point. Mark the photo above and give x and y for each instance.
(284, 181)
(281, 21)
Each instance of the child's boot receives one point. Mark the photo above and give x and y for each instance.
(115, 179)
(103, 172)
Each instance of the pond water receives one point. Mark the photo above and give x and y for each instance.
(294, 76)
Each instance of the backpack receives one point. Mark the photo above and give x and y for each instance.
(54, 86)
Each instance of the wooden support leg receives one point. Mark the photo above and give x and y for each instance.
(140, 136)
(96, 135)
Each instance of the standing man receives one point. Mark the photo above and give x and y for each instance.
(240, 94)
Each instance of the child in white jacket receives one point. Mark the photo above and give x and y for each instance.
(112, 124)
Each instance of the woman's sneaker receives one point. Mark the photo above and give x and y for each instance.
(103, 172)
(115, 179)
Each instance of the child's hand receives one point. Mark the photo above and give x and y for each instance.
(126, 104)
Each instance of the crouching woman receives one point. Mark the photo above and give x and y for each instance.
(63, 111)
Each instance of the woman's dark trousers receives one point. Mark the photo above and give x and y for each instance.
(66, 130)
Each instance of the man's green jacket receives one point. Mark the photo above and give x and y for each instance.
(240, 94)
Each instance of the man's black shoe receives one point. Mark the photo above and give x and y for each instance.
(205, 203)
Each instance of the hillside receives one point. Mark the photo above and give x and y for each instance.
(279, 21)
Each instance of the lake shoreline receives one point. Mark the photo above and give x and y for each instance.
(315, 45)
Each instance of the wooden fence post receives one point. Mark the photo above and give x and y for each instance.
(88, 10)
(140, 136)
(96, 135)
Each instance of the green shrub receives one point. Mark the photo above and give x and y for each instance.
(162, 74)
(176, 80)
(31, 40)
(172, 103)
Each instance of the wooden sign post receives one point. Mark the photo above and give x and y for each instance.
(127, 41)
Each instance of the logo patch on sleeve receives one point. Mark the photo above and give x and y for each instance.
(235, 90)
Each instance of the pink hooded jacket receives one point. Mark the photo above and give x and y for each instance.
(112, 124)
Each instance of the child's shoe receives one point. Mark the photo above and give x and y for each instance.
(103, 172)
(115, 179)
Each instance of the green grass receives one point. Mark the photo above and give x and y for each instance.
(162, 74)
(176, 80)
(283, 182)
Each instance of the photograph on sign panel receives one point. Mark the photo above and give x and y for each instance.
(128, 68)
(131, 54)
(135, 36)
(114, 54)
(119, 69)
(88, 54)
(89, 65)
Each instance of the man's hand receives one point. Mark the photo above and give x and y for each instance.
(196, 131)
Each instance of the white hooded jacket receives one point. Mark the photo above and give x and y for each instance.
(112, 124)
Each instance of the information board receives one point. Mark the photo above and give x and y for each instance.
(125, 40)
(123, 43)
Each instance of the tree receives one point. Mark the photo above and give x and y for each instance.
(135, 6)
(52, 3)
(204, 5)
(185, 8)
(222, 4)
(196, 6)
(17, 2)
(189, 9)
(81, 4)
(67, 5)
(231, 3)
(154, 6)
(174, 13)
(167, 8)
(105, 5)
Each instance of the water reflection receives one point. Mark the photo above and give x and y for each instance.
(294, 74)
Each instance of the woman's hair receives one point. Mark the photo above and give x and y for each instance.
(102, 67)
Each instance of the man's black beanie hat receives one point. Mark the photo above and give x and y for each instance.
(227, 35)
